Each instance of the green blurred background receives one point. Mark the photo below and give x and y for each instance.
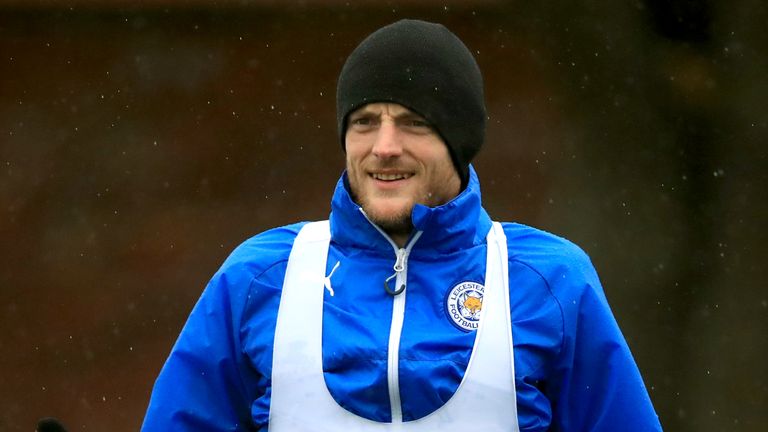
(141, 141)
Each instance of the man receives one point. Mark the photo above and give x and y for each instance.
(410, 309)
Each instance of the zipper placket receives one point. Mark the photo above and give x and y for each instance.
(398, 316)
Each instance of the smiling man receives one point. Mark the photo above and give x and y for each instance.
(409, 309)
(395, 160)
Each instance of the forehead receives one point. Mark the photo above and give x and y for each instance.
(390, 108)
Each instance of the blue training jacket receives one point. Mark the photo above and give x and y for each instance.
(573, 369)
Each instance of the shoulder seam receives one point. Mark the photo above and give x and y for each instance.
(246, 303)
(551, 293)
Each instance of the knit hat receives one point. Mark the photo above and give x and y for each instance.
(427, 69)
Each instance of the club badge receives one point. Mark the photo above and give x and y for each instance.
(464, 305)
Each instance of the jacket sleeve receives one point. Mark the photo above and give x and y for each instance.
(205, 385)
(598, 386)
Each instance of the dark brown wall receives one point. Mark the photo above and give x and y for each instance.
(139, 146)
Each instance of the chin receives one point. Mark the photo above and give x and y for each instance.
(390, 217)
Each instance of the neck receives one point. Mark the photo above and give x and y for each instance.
(400, 239)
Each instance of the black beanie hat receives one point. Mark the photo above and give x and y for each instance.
(427, 69)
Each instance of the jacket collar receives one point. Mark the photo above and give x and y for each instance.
(458, 224)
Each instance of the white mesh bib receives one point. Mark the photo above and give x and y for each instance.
(484, 401)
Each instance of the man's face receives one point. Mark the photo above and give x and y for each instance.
(395, 160)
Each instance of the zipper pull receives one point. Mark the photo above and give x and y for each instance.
(400, 261)
(398, 267)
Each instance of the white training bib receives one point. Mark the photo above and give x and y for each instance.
(300, 401)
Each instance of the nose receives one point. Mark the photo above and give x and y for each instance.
(387, 144)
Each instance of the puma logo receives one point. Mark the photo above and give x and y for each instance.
(327, 281)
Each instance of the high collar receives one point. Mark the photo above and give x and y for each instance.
(458, 224)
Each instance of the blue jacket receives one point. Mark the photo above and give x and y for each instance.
(573, 369)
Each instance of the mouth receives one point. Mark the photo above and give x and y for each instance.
(390, 177)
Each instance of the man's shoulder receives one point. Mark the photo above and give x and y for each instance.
(263, 251)
(526, 240)
(548, 254)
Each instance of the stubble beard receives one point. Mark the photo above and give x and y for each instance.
(394, 224)
(399, 224)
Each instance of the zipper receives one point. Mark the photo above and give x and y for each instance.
(398, 315)
(398, 268)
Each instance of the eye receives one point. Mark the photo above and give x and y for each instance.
(362, 122)
(416, 125)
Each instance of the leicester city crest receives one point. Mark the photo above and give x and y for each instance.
(464, 305)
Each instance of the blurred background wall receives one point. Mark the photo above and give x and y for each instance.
(139, 143)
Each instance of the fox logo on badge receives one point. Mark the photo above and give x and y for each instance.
(464, 304)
